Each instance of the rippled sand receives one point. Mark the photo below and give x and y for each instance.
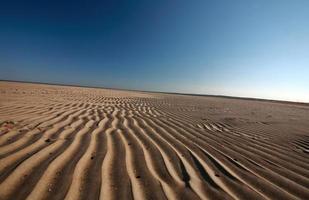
(59, 142)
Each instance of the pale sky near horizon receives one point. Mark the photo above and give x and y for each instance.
(257, 48)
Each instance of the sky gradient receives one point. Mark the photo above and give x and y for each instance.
(257, 48)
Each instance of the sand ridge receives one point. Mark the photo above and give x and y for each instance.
(60, 142)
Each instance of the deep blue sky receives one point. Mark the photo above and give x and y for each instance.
(257, 48)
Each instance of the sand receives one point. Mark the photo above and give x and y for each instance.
(61, 142)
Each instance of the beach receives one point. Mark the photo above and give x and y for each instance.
(67, 142)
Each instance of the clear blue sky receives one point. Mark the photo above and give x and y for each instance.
(257, 48)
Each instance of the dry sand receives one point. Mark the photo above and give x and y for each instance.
(59, 142)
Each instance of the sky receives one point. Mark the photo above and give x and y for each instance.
(256, 48)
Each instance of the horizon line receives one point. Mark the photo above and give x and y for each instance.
(165, 92)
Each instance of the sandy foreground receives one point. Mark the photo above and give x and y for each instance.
(60, 142)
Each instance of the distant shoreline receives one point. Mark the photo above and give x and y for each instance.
(175, 93)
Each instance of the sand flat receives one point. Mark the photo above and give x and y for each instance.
(64, 142)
